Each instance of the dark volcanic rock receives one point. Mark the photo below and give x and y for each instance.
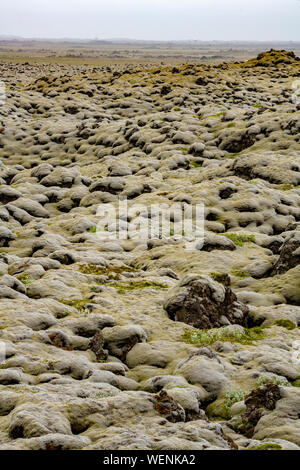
(165, 90)
(167, 407)
(204, 303)
(96, 345)
(259, 400)
(289, 254)
(238, 142)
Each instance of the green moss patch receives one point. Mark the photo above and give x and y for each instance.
(285, 187)
(233, 396)
(25, 279)
(239, 273)
(208, 337)
(218, 277)
(263, 380)
(266, 447)
(124, 287)
(218, 410)
(79, 304)
(217, 114)
(288, 324)
(239, 238)
(196, 164)
(113, 272)
(232, 155)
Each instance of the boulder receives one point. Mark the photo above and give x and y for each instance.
(202, 302)
(6, 236)
(119, 340)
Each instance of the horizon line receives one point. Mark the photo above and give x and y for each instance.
(12, 37)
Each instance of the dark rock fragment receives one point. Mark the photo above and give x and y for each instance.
(97, 346)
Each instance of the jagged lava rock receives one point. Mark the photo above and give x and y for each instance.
(204, 303)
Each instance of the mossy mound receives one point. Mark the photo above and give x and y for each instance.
(218, 410)
(273, 58)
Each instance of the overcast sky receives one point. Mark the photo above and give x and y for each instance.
(152, 19)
